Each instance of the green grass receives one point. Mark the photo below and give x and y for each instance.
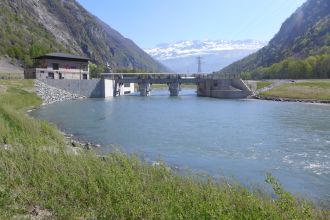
(39, 169)
(261, 85)
(308, 90)
(12, 75)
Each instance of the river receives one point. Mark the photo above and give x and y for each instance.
(245, 137)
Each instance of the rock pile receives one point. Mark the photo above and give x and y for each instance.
(51, 95)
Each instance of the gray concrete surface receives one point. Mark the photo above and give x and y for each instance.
(223, 88)
(87, 88)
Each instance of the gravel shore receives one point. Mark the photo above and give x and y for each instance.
(51, 95)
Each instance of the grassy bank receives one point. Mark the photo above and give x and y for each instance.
(12, 75)
(38, 169)
(308, 90)
(261, 85)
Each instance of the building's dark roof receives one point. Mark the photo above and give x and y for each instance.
(61, 56)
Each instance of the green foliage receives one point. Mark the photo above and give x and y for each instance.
(9, 29)
(27, 61)
(11, 52)
(286, 202)
(245, 75)
(314, 67)
(95, 71)
(297, 38)
(17, 52)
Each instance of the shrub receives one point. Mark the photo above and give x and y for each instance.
(11, 52)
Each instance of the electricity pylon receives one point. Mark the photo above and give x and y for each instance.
(199, 62)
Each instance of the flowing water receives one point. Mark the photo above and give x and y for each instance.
(246, 137)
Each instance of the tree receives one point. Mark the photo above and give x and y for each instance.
(11, 52)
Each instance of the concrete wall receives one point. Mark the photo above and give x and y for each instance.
(223, 88)
(107, 86)
(239, 84)
(88, 88)
(229, 94)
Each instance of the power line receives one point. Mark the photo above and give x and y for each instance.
(258, 15)
(263, 24)
(247, 12)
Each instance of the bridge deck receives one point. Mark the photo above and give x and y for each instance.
(157, 81)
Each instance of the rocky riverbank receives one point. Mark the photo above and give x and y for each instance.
(51, 95)
(277, 99)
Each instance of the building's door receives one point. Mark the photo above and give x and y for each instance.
(50, 75)
(84, 76)
(60, 75)
(34, 75)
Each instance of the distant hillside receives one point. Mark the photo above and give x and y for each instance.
(304, 34)
(33, 27)
(181, 56)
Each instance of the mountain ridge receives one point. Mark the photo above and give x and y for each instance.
(65, 26)
(291, 40)
(180, 56)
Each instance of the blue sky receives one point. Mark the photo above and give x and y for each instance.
(150, 22)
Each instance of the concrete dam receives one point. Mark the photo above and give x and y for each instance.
(117, 84)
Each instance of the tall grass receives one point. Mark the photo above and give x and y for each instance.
(37, 168)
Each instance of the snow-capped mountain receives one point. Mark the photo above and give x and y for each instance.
(181, 56)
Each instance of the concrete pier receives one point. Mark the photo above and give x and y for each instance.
(144, 88)
(174, 88)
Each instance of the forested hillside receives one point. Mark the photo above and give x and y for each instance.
(30, 28)
(303, 39)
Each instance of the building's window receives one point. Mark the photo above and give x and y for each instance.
(50, 75)
(55, 66)
(42, 72)
(84, 67)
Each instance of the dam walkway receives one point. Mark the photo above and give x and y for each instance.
(144, 81)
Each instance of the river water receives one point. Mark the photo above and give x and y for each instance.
(245, 137)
